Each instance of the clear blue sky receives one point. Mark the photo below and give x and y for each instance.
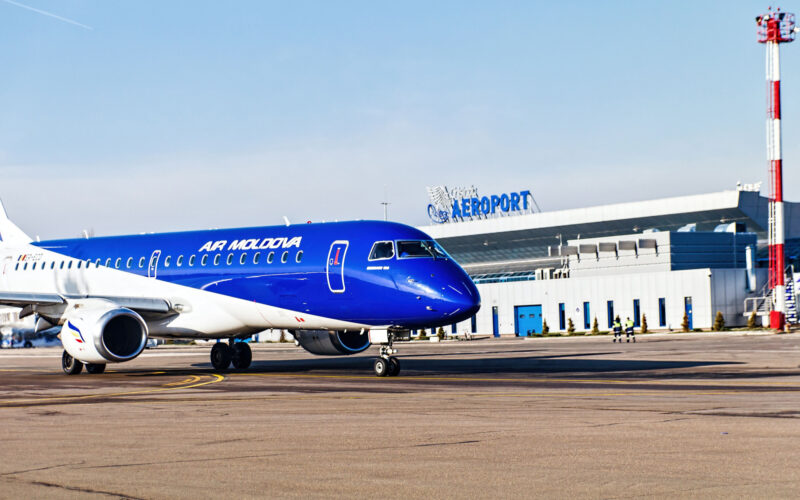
(193, 114)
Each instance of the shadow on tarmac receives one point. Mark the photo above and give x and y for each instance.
(531, 365)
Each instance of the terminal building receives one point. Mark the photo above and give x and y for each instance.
(665, 261)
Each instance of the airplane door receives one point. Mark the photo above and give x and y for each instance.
(152, 268)
(335, 267)
(8, 262)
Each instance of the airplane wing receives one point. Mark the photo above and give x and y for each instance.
(139, 304)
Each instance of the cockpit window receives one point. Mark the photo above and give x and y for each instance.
(382, 250)
(425, 248)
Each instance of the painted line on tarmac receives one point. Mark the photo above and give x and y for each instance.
(194, 379)
(679, 382)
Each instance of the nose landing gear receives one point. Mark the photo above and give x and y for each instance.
(386, 364)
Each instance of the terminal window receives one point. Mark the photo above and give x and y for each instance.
(561, 317)
(662, 312)
(610, 310)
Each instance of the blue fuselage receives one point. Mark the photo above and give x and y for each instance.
(367, 272)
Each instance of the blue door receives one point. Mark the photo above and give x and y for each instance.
(495, 322)
(335, 268)
(637, 314)
(687, 306)
(528, 320)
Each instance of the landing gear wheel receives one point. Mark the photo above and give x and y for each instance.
(221, 355)
(95, 368)
(394, 366)
(70, 365)
(382, 367)
(242, 355)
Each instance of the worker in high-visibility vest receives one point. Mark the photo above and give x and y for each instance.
(617, 330)
(629, 331)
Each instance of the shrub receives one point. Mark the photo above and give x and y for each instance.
(545, 328)
(440, 333)
(570, 326)
(719, 322)
(685, 323)
(644, 323)
(751, 321)
(595, 327)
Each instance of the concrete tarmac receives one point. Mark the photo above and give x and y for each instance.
(678, 416)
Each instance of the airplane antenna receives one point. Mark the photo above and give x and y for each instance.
(286, 221)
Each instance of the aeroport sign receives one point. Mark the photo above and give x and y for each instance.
(458, 204)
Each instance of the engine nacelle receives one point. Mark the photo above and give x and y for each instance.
(332, 342)
(102, 332)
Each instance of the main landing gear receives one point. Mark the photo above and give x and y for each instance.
(386, 364)
(237, 354)
(72, 366)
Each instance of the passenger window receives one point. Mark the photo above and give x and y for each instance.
(53, 265)
(78, 266)
(179, 262)
(243, 259)
(191, 261)
(216, 260)
(256, 257)
(299, 256)
(230, 259)
(129, 263)
(16, 268)
(141, 262)
(69, 265)
(108, 262)
(62, 265)
(204, 260)
(118, 262)
(284, 257)
(270, 257)
(166, 261)
(25, 267)
(97, 263)
(382, 250)
(33, 266)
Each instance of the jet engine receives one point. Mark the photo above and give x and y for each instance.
(332, 342)
(101, 332)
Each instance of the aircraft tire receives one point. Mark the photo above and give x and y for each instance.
(221, 355)
(381, 367)
(27, 344)
(242, 355)
(70, 365)
(95, 368)
(394, 366)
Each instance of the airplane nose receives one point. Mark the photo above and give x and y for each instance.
(463, 299)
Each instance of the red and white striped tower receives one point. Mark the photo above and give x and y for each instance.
(775, 28)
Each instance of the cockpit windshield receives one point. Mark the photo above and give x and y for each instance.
(409, 249)
(382, 250)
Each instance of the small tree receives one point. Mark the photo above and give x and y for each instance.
(570, 326)
(644, 323)
(283, 338)
(423, 334)
(719, 322)
(440, 333)
(595, 327)
(685, 323)
(545, 328)
(751, 321)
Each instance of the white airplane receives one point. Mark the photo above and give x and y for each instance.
(337, 287)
